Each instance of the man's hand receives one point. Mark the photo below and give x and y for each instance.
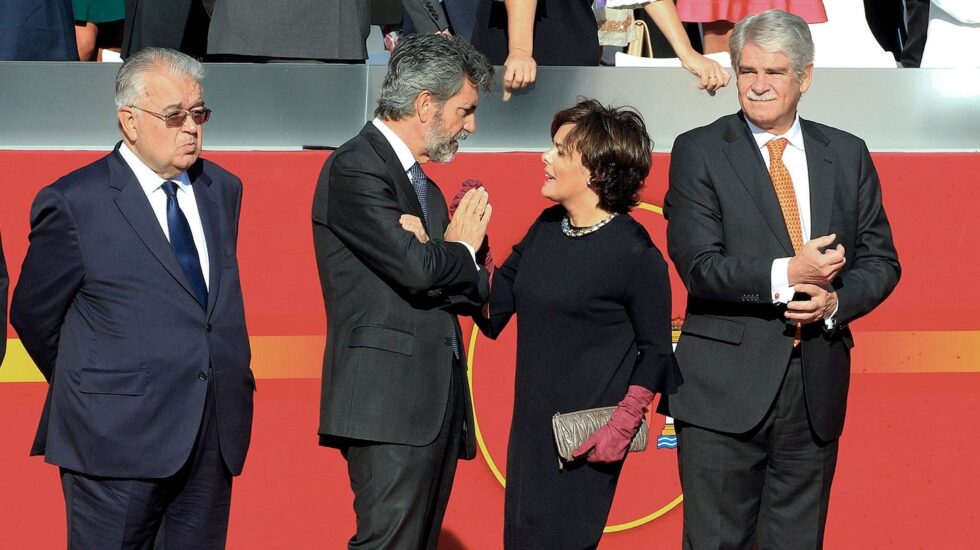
(469, 224)
(413, 224)
(811, 266)
(820, 306)
(520, 70)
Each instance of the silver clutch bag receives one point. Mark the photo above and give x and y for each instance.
(572, 429)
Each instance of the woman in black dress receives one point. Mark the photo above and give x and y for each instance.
(593, 298)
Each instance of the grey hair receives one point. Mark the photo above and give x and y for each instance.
(434, 63)
(130, 80)
(774, 31)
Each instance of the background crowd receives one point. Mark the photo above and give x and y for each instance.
(520, 34)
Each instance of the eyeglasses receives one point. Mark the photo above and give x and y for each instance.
(176, 120)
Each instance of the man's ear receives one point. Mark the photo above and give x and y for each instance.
(807, 78)
(425, 105)
(127, 124)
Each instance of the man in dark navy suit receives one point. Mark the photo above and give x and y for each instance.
(130, 304)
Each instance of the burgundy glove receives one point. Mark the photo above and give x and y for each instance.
(483, 256)
(611, 442)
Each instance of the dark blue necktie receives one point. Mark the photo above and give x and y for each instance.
(421, 185)
(183, 244)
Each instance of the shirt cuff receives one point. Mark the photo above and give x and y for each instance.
(780, 290)
(472, 254)
(831, 320)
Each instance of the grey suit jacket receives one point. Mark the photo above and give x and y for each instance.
(303, 29)
(391, 300)
(725, 228)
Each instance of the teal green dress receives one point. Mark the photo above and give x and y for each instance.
(98, 11)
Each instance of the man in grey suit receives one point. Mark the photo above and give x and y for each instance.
(394, 398)
(130, 305)
(776, 227)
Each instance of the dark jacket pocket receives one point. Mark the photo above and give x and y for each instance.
(382, 338)
(114, 382)
(715, 328)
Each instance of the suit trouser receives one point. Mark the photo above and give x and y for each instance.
(770, 485)
(126, 514)
(401, 491)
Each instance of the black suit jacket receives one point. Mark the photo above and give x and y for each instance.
(391, 300)
(106, 313)
(724, 230)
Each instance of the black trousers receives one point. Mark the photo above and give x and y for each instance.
(769, 487)
(186, 511)
(401, 491)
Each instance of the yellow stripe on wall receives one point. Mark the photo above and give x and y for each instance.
(875, 352)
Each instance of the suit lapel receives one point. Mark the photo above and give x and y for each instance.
(394, 167)
(207, 206)
(135, 207)
(820, 166)
(750, 167)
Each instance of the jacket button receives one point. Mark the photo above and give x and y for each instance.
(202, 376)
(449, 341)
(208, 327)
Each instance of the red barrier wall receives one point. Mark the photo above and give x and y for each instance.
(905, 478)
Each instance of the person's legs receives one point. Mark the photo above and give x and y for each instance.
(85, 36)
(401, 491)
(111, 514)
(722, 476)
(798, 475)
(716, 35)
(200, 494)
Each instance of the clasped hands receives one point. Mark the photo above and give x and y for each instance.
(811, 271)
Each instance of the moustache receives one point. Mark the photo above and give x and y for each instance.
(768, 96)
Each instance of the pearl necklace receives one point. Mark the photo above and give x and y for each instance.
(571, 231)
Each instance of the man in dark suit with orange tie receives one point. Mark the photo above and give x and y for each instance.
(130, 305)
(777, 229)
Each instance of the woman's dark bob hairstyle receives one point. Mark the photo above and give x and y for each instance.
(615, 148)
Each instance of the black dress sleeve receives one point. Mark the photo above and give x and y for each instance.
(648, 303)
(502, 303)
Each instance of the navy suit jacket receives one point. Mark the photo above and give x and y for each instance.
(105, 311)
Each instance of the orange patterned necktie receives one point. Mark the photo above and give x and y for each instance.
(787, 201)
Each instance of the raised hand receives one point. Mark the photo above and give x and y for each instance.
(811, 266)
(469, 223)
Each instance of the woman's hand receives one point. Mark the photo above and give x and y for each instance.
(712, 75)
(520, 71)
(611, 442)
(413, 224)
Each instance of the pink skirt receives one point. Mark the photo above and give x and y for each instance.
(705, 11)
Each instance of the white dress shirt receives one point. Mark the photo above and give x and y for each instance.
(407, 160)
(794, 158)
(152, 185)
